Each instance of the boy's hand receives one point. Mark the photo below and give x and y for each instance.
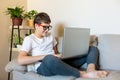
(58, 55)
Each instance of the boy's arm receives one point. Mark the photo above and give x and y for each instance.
(55, 48)
(24, 59)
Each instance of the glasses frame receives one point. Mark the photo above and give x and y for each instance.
(45, 27)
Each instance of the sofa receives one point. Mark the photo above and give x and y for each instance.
(109, 50)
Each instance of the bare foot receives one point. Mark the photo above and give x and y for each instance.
(102, 74)
(94, 74)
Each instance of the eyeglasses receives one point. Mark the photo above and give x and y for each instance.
(45, 27)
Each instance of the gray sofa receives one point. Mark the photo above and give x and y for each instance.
(109, 47)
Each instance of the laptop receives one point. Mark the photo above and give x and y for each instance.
(75, 42)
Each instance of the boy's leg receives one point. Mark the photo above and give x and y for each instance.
(76, 62)
(92, 57)
(52, 65)
(92, 61)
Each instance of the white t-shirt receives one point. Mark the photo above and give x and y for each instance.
(35, 46)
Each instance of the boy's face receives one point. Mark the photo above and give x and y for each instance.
(43, 29)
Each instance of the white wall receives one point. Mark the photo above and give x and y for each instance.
(102, 16)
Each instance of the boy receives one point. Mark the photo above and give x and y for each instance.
(38, 48)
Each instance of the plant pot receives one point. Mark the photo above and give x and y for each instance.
(17, 21)
(30, 23)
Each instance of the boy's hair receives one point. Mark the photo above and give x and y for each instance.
(42, 18)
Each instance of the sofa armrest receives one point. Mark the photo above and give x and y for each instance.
(13, 65)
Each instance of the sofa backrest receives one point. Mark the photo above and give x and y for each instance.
(109, 47)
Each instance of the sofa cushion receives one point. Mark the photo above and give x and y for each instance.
(33, 76)
(109, 47)
(18, 75)
(13, 65)
(113, 75)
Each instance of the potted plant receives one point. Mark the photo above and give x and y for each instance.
(16, 40)
(16, 14)
(30, 17)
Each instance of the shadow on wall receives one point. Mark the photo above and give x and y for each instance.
(59, 30)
